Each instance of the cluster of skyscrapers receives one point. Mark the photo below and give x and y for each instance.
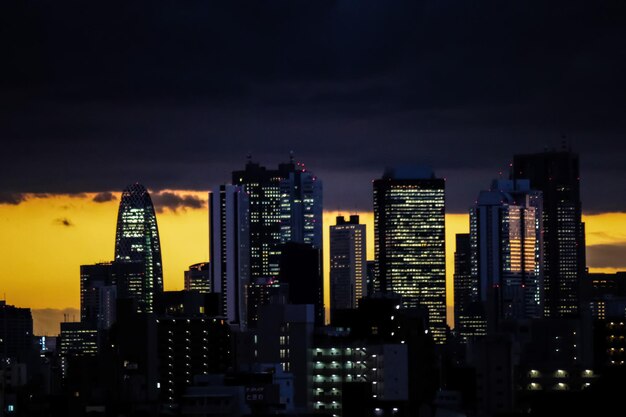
(249, 335)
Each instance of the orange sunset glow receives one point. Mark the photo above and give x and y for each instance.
(44, 240)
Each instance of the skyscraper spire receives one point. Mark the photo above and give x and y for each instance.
(137, 241)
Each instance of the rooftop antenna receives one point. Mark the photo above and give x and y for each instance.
(249, 157)
(291, 157)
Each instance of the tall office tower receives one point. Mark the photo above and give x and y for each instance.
(301, 207)
(409, 229)
(230, 249)
(98, 294)
(16, 332)
(198, 278)
(137, 241)
(556, 174)
(285, 206)
(469, 317)
(506, 243)
(348, 267)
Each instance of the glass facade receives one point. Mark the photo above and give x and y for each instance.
(556, 175)
(137, 241)
(285, 206)
(409, 222)
(506, 251)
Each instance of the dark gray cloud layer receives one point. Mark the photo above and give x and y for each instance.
(99, 94)
(104, 197)
(172, 201)
(11, 198)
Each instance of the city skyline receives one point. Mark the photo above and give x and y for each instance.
(333, 208)
(190, 225)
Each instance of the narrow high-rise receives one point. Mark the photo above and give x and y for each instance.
(409, 229)
(348, 264)
(469, 317)
(137, 242)
(556, 175)
(506, 251)
(229, 249)
(98, 293)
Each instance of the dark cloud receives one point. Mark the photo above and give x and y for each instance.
(607, 256)
(97, 94)
(172, 201)
(63, 221)
(104, 197)
(11, 198)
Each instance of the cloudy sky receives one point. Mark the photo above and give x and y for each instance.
(98, 94)
(95, 95)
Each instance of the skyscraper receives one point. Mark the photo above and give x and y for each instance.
(98, 292)
(285, 206)
(556, 175)
(252, 222)
(229, 249)
(469, 317)
(506, 251)
(137, 241)
(409, 229)
(348, 268)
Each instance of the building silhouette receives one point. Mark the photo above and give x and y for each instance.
(300, 270)
(285, 206)
(198, 278)
(348, 268)
(16, 332)
(137, 241)
(98, 294)
(76, 340)
(506, 251)
(189, 343)
(556, 175)
(263, 291)
(252, 220)
(409, 229)
(229, 251)
(469, 312)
